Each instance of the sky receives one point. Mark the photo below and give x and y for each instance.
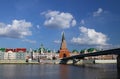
(86, 24)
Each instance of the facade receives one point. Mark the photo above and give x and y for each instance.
(20, 55)
(1, 55)
(9, 55)
(63, 52)
(12, 54)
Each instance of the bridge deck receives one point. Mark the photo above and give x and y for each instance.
(105, 52)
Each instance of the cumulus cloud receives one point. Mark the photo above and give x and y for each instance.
(98, 12)
(18, 29)
(56, 19)
(90, 37)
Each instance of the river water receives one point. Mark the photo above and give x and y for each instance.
(48, 71)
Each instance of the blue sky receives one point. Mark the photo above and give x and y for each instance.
(86, 23)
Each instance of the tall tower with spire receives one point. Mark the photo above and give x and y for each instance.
(63, 52)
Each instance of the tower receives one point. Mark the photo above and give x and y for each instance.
(42, 49)
(63, 52)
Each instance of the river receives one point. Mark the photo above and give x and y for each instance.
(50, 71)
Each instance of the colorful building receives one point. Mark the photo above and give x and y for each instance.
(12, 54)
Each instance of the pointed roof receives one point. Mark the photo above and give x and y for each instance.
(63, 37)
(63, 43)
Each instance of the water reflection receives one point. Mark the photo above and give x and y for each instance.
(64, 72)
(97, 71)
(118, 73)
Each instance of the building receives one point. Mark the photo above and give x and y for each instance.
(20, 50)
(63, 52)
(12, 54)
(2, 50)
(101, 57)
(42, 50)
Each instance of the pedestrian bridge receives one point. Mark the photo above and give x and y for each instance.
(82, 56)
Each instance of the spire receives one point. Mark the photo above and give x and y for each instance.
(63, 37)
(63, 43)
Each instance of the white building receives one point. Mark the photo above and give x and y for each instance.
(9, 55)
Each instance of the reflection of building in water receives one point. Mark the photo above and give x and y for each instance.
(64, 72)
(63, 52)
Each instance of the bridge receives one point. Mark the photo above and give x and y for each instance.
(82, 56)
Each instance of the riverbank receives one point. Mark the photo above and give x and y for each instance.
(55, 62)
(105, 61)
(16, 62)
(98, 61)
(90, 62)
(29, 62)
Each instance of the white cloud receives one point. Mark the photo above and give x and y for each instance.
(90, 37)
(57, 41)
(29, 41)
(56, 19)
(98, 12)
(73, 22)
(18, 29)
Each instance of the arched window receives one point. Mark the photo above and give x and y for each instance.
(64, 55)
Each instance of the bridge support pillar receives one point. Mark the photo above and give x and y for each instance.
(63, 61)
(118, 66)
(118, 62)
(74, 61)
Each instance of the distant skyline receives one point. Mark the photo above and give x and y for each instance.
(30, 23)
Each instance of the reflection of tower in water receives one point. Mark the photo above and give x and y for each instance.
(64, 72)
(63, 52)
